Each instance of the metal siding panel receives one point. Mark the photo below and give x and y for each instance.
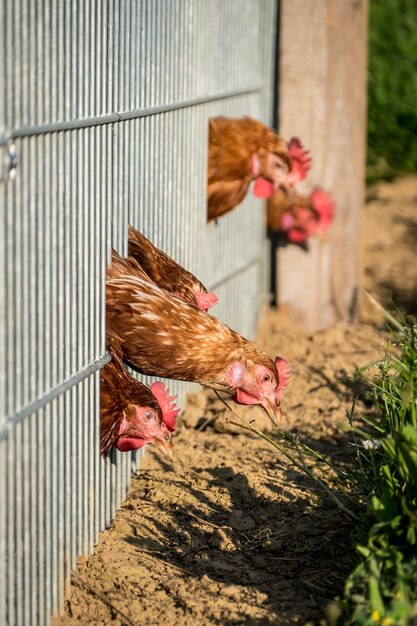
(99, 80)
(3, 529)
(10, 539)
(95, 495)
(3, 371)
(10, 290)
(18, 523)
(48, 512)
(3, 299)
(52, 265)
(61, 474)
(55, 511)
(67, 489)
(74, 194)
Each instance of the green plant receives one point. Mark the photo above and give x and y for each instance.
(392, 88)
(382, 589)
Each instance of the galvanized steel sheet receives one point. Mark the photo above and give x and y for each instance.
(108, 107)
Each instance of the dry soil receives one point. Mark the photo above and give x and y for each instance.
(230, 532)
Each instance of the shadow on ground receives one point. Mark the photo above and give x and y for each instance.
(285, 542)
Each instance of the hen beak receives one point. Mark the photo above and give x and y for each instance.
(273, 411)
(165, 447)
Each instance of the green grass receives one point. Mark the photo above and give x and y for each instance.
(392, 89)
(382, 589)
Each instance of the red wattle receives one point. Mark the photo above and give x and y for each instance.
(296, 235)
(242, 397)
(263, 188)
(126, 444)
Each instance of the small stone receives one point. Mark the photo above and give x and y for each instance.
(156, 496)
(222, 539)
(232, 591)
(123, 527)
(159, 595)
(185, 536)
(208, 584)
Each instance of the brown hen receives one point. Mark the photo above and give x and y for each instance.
(302, 216)
(132, 415)
(242, 150)
(161, 335)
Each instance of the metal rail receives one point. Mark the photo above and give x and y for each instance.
(30, 131)
(55, 393)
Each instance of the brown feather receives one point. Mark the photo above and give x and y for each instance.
(163, 270)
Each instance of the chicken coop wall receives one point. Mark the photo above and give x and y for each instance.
(107, 107)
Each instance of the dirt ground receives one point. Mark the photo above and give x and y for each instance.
(230, 533)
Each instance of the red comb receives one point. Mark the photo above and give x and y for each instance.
(301, 161)
(167, 404)
(324, 205)
(205, 300)
(284, 373)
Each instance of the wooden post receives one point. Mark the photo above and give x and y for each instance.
(322, 99)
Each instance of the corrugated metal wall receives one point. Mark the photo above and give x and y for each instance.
(107, 105)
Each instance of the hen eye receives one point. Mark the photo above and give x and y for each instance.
(266, 378)
(149, 415)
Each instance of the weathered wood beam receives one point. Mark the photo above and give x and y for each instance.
(323, 101)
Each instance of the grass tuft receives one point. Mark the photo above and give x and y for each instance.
(382, 589)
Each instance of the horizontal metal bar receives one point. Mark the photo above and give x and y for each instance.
(88, 122)
(240, 270)
(54, 393)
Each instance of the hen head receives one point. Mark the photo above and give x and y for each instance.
(200, 298)
(308, 221)
(141, 425)
(205, 300)
(132, 415)
(270, 171)
(256, 383)
(275, 169)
